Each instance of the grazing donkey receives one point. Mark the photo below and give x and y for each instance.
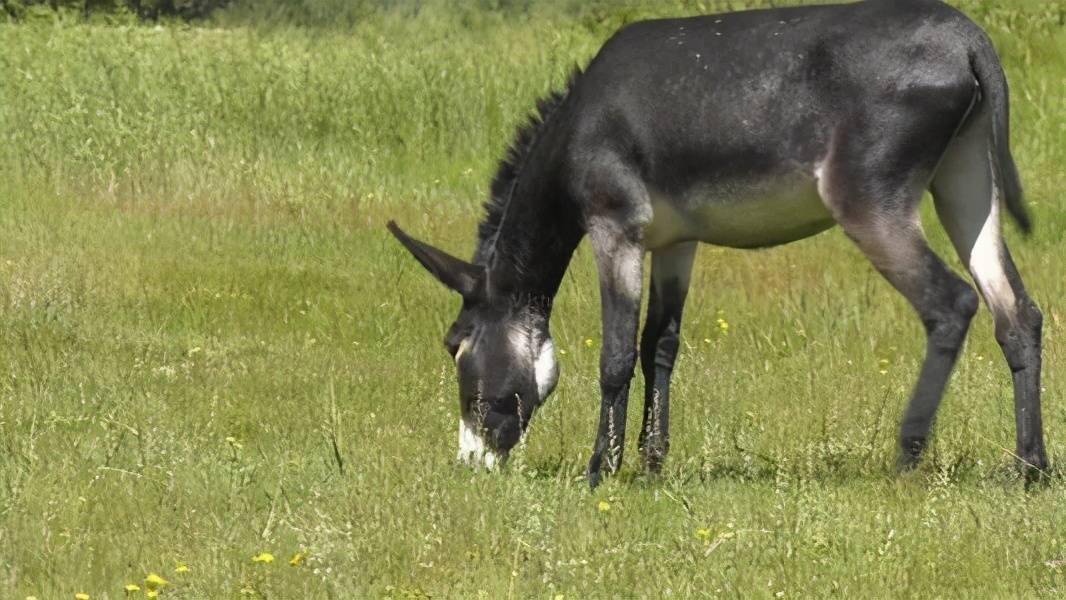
(745, 130)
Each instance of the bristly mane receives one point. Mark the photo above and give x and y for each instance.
(511, 166)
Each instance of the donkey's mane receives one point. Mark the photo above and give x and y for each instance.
(510, 167)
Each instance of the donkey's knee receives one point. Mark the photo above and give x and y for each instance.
(616, 370)
(1019, 334)
(948, 324)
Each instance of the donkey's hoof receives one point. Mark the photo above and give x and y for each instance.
(653, 462)
(910, 454)
(1034, 467)
(594, 474)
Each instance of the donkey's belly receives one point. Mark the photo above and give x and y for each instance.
(739, 215)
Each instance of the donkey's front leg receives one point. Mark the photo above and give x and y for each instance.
(619, 257)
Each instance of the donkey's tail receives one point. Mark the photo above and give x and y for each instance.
(993, 88)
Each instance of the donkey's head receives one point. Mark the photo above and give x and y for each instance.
(503, 354)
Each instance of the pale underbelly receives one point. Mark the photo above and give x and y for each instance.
(756, 215)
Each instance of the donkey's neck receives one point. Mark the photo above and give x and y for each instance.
(531, 227)
(529, 251)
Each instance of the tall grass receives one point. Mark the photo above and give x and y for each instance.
(209, 347)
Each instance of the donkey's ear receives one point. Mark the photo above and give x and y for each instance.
(458, 275)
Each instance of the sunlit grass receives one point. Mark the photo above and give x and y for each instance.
(212, 353)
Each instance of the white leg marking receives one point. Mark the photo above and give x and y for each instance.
(986, 265)
(546, 370)
(967, 200)
(620, 263)
(629, 277)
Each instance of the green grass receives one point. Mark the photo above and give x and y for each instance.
(192, 249)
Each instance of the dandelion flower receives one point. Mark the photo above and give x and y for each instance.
(131, 587)
(723, 325)
(588, 342)
(298, 559)
(151, 594)
(706, 340)
(81, 596)
(263, 557)
(181, 568)
(154, 582)
(603, 506)
(703, 533)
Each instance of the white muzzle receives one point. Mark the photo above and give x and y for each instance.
(472, 449)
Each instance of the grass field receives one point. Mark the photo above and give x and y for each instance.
(210, 348)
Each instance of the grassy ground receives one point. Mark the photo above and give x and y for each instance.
(209, 348)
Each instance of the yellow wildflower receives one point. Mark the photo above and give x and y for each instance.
(132, 587)
(263, 557)
(232, 441)
(723, 325)
(703, 533)
(151, 594)
(154, 582)
(81, 596)
(588, 342)
(298, 559)
(181, 568)
(603, 506)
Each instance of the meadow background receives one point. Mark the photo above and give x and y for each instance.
(211, 350)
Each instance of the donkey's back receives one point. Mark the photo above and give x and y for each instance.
(730, 121)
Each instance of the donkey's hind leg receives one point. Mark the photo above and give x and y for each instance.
(888, 231)
(969, 206)
(671, 269)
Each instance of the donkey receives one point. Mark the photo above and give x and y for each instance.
(746, 130)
